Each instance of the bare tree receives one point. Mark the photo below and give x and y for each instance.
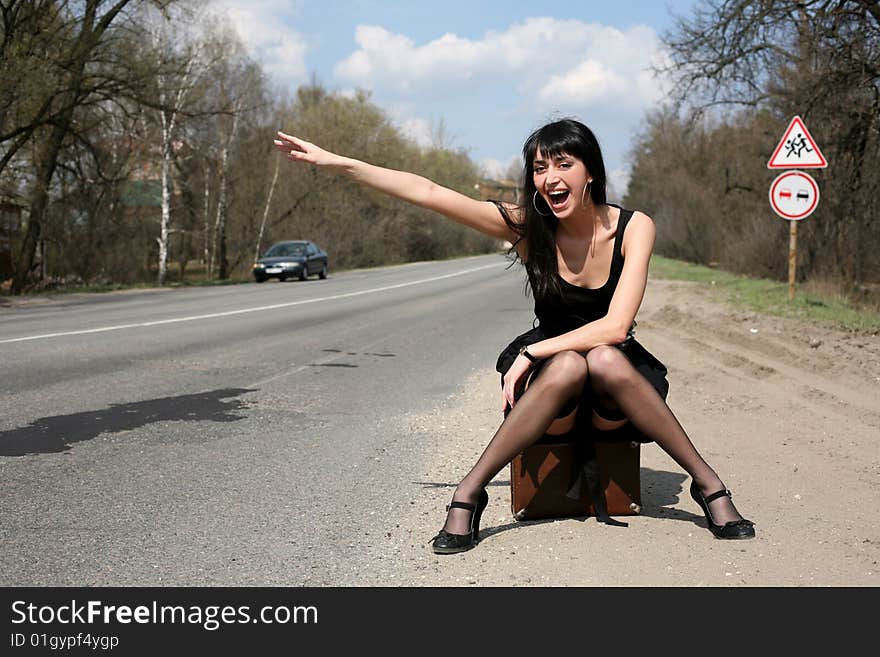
(816, 58)
(81, 71)
(182, 64)
(236, 92)
(267, 206)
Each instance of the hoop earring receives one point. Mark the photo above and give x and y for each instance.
(583, 193)
(535, 204)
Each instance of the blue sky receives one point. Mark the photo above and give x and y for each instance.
(491, 72)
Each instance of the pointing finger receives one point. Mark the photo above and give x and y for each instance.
(296, 141)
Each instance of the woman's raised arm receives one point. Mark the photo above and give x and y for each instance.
(482, 216)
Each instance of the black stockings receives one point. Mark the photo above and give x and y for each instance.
(561, 379)
(616, 383)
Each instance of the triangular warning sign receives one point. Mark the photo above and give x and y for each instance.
(797, 149)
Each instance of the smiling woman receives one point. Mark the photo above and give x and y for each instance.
(587, 265)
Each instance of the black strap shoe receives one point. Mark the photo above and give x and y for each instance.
(735, 529)
(446, 543)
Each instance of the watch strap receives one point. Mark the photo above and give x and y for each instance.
(524, 350)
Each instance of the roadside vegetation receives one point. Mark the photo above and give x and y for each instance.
(744, 68)
(136, 146)
(811, 303)
(135, 149)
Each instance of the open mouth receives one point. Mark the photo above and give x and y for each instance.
(558, 198)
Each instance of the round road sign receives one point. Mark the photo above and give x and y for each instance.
(794, 195)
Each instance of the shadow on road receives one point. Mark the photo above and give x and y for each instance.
(58, 432)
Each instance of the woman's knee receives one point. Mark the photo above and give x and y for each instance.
(566, 368)
(607, 364)
(569, 364)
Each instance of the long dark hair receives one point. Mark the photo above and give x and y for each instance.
(572, 138)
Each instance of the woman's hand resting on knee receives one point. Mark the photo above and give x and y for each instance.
(514, 379)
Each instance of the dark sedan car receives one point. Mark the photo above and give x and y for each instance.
(284, 260)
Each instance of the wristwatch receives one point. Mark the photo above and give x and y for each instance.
(524, 351)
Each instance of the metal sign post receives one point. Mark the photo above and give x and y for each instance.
(792, 257)
(794, 195)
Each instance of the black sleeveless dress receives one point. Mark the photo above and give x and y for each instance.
(577, 306)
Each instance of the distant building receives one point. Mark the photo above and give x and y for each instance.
(141, 194)
(498, 190)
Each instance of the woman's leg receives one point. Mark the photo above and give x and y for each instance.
(560, 380)
(616, 383)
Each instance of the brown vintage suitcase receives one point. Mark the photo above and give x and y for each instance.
(543, 473)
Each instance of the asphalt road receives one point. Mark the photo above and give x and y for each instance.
(236, 435)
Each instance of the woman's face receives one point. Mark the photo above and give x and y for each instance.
(560, 181)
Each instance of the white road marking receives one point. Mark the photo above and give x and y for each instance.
(193, 318)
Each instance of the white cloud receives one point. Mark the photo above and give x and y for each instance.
(498, 169)
(651, 87)
(590, 82)
(395, 59)
(617, 183)
(426, 132)
(261, 27)
(558, 62)
(419, 130)
(492, 168)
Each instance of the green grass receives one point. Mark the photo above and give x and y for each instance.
(770, 297)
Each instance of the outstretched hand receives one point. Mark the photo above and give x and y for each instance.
(300, 150)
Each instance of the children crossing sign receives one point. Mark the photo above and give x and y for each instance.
(794, 195)
(797, 149)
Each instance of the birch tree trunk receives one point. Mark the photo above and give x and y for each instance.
(165, 221)
(208, 256)
(169, 114)
(222, 184)
(266, 208)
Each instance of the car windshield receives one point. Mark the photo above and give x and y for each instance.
(283, 250)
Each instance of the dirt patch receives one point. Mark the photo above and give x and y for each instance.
(9, 301)
(788, 414)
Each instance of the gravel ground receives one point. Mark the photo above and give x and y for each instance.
(787, 413)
